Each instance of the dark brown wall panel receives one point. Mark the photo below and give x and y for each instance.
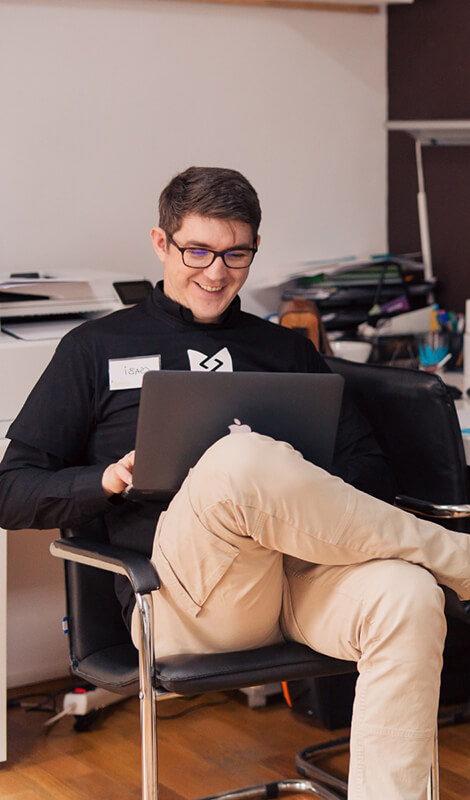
(429, 78)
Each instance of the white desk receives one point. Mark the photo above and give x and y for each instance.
(25, 360)
(32, 646)
(32, 358)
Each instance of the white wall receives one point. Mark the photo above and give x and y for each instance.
(102, 101)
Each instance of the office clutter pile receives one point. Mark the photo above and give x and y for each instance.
(379, 309)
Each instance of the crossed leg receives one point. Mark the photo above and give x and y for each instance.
(220, 548)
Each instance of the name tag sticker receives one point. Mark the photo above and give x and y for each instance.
(128, 373)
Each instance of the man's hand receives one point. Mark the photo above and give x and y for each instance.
(119, 475)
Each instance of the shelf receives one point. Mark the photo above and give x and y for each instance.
(435, 132)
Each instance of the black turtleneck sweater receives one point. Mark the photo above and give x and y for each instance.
(72, 425)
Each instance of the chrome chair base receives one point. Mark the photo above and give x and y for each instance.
(307, 760)
(276, 789)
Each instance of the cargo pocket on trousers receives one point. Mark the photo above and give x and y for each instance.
(190, 566)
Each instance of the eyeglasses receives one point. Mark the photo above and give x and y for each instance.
(201, 257)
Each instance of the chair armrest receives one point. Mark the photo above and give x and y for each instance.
(135, 566)
(432, 510)
(459, 609)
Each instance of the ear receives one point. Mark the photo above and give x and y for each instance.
(159, 242)
(258, 241)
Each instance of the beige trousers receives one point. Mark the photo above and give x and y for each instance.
(260, 545)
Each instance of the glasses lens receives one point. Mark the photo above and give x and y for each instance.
(238, 259)
(197, 258)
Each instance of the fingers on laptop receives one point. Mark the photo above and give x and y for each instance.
(118, 475)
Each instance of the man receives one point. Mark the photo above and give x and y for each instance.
(258, 544)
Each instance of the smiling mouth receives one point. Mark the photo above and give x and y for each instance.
(210, 288)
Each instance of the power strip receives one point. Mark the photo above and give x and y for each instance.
(82, 701)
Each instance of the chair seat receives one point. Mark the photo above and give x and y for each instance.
(115, 668)
(187, 674)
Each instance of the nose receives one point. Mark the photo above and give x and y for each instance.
(216, 270)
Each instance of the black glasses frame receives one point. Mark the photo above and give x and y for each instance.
(215, 254)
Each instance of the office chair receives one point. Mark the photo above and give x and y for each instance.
(101, 651)
(100, 648)
(415, 422)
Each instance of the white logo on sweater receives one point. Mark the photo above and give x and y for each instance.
(219, 362)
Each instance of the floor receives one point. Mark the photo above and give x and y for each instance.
(208, 744)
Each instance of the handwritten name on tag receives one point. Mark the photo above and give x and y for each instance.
(128, 373)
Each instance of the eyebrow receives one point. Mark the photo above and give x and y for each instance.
(203, 245)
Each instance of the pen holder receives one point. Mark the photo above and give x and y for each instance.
(433, 350)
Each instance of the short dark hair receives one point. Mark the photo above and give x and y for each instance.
(209, 192)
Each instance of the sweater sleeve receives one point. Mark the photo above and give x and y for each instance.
(59, 413)
(46, 480)
(38, 490)
(358, 457)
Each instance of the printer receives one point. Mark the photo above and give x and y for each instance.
(36, 310)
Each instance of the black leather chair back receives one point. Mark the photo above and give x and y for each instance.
(99, 642)
(415, 422)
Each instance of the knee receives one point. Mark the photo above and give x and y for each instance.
(409, 604)
(241, 449)
(230, 461)
(245, 457)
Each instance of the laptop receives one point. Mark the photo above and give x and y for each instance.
(182, 413)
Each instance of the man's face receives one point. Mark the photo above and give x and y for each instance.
(209, 291)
